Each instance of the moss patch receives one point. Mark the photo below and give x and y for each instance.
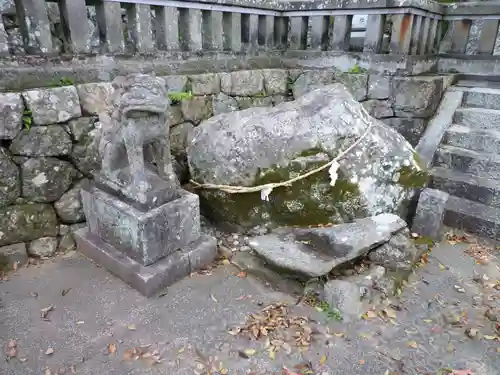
(411, 178)
(310, 201)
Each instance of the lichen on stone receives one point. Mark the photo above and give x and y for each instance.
(309, 201)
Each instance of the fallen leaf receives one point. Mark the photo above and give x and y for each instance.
(287, 371)
(49, 351)
(272, 353)
(361, 361)
(390, 313)
(80, 322)
(224, 371)
(441, 267)
(471, 332)
(240, 298)
(488, 337)
(226, 262)
(112, 348)
(129, 354)
(12, 352)
(459, 289)
(249, 352)
(370, 314)
(413, 344)
(22, 360)
(462, 372)
(131, 327)
(213, 298)
(181, 350)
(427, 321)
(45, 312)
(242, 274)
(322, 360)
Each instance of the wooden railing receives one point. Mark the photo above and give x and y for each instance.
(394, 27)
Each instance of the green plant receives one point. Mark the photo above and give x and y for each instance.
(331, 313)
(65, 81)
(177, 97)
(27, 119)
(356, 69)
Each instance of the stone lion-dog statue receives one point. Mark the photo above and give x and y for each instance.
(132, 118)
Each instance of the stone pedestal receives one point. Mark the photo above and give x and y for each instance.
(148, 249)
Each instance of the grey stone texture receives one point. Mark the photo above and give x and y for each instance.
(69, 207)
(345, 296)
(222, 151)
(428, 220)
(53, 105)
(144, 236)
(379, 108)
(11, 113)
(43, 247)
(45, 179)
(197, 108)
(223, 103)
(50, 140)
(416, 96)
(410, 128)
(26, 222)
(152, 279)
(10, 183)
(85, 154)
(205, 84)
(15, 253)
(399, 254)
(244, 83)
(316, 251)
(92, 95)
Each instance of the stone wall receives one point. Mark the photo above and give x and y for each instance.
(49, 137)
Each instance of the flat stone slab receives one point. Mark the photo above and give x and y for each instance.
(151, 279)
(316, 251)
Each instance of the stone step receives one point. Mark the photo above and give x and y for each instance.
(478, 189)
(472, 217)
(481, 97)
(477, 118)
(482, 140)
(467, 161)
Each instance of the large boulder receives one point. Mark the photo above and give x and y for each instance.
(262, 145)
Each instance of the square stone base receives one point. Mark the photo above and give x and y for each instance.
(151, 279)
(144, 236)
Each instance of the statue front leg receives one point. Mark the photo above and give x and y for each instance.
(163, 159)
(135, 156)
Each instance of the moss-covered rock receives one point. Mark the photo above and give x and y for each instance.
(258, 146)
(310, 201)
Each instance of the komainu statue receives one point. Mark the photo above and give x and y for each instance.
(136, 119)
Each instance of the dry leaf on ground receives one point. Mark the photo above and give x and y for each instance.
(49, 351)
(478, 252)
(11, 349)
(44, 313)
(454, 238)
(112, 348)
(273, 323)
